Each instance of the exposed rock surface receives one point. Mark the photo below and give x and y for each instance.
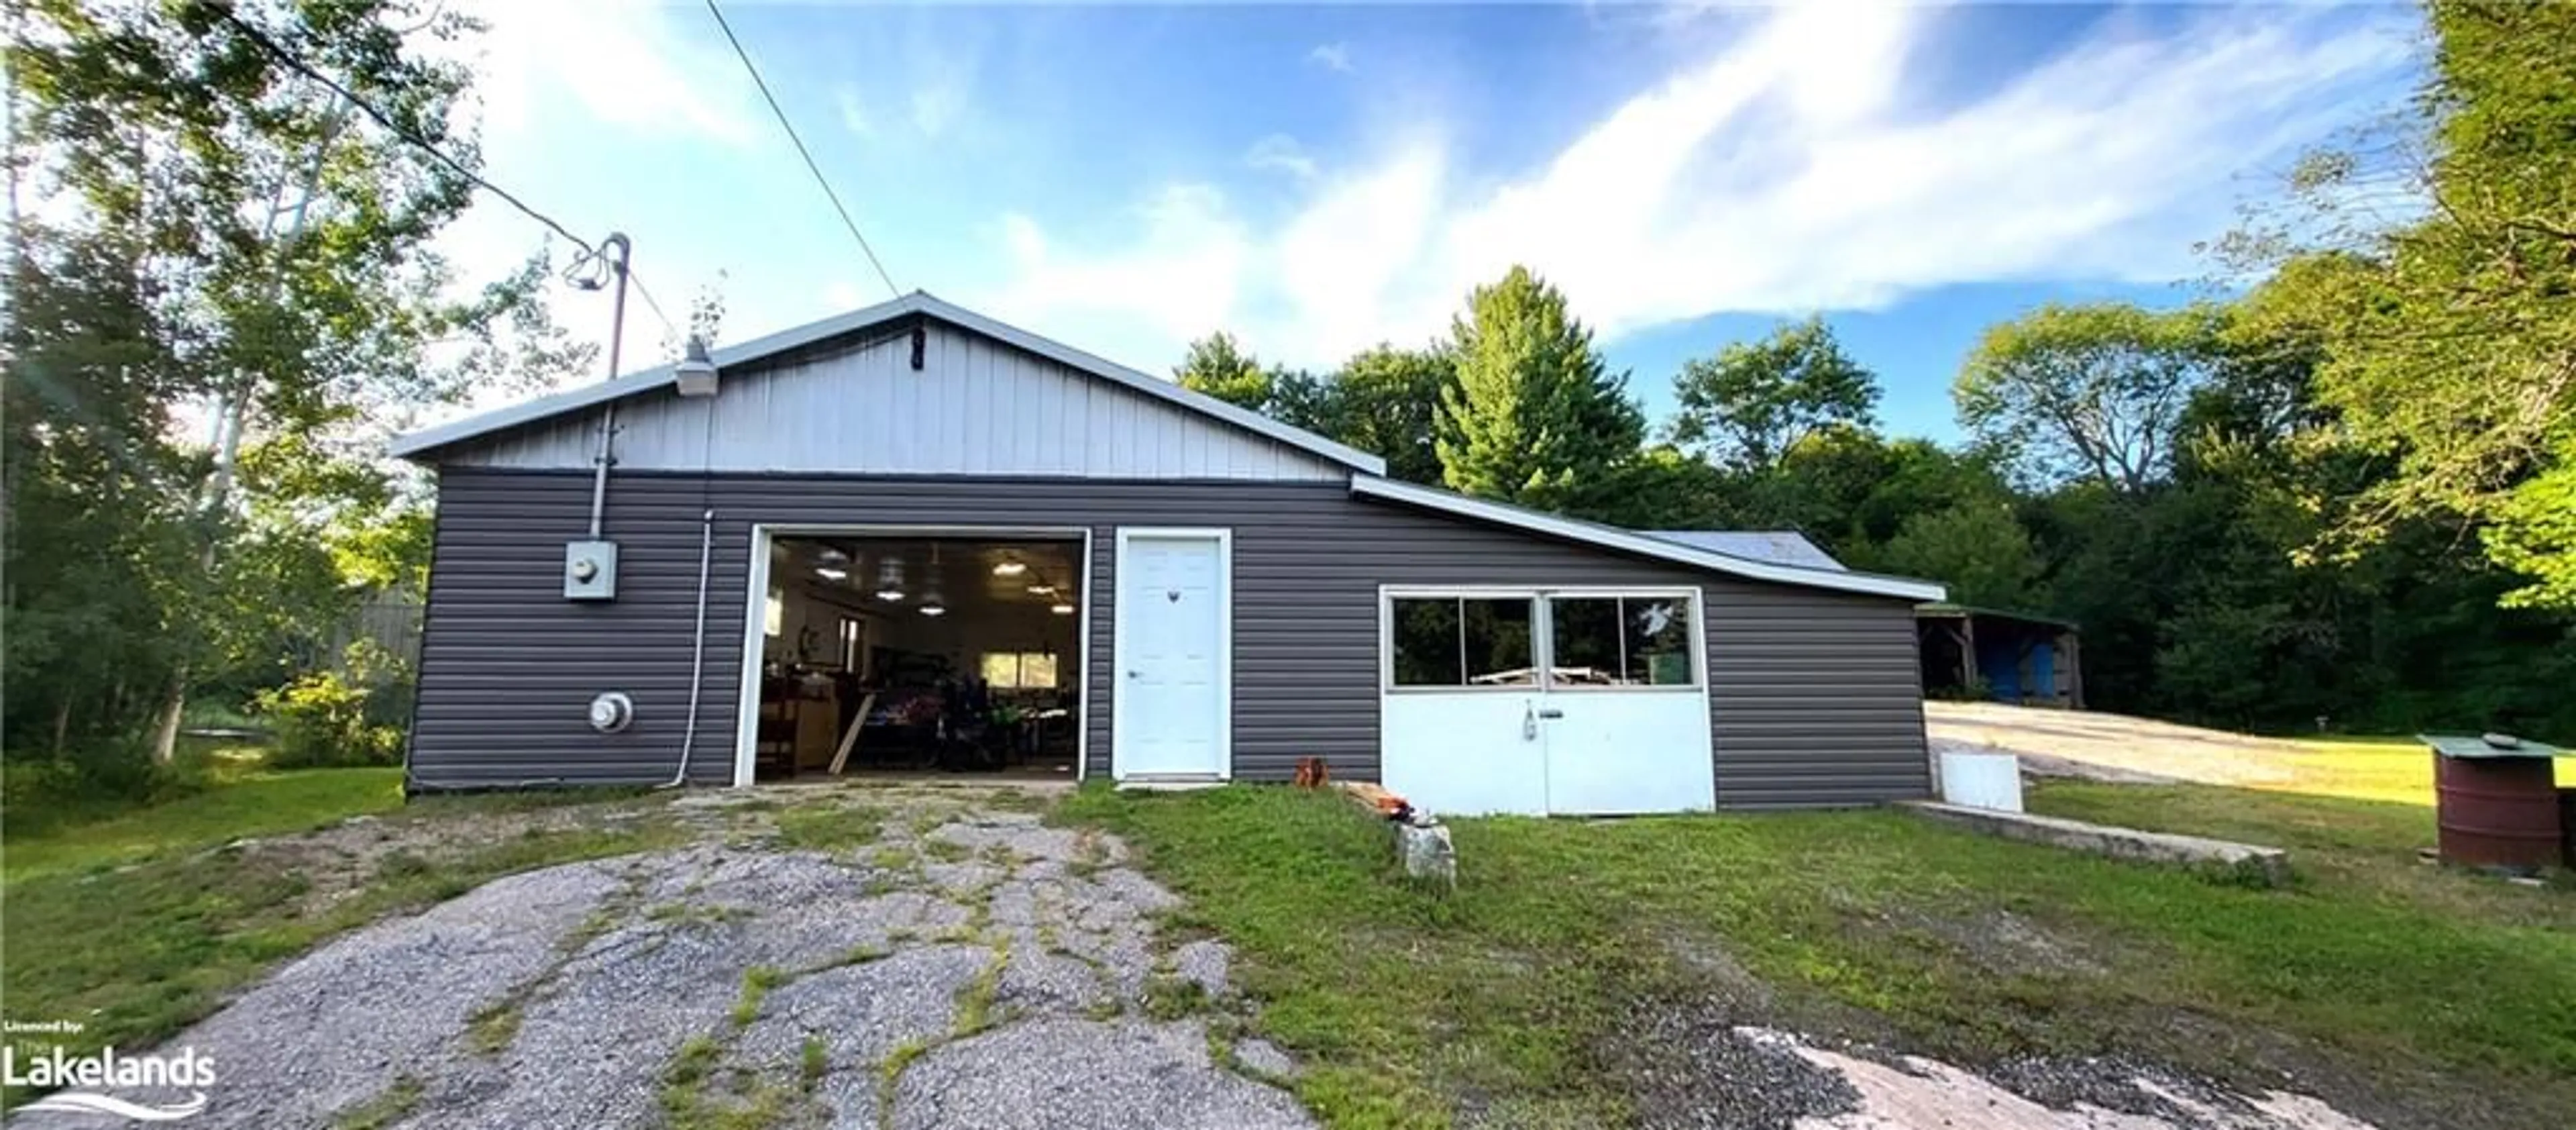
(953, 964)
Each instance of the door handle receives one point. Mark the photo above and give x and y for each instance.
(1529, 723)
(1551, 714)
(1135, 674)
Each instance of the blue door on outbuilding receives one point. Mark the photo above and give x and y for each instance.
(2000, 663)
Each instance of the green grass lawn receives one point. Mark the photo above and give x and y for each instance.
(2398, 769)
(139, 921)
(255, 804)
(2394, 987)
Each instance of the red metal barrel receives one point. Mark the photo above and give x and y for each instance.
(2497, 811)
(2567, 825)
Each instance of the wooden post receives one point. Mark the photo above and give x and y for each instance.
(2074, 671)
(1967, 651)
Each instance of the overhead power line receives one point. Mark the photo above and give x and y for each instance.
(296, 63)
(801, 151)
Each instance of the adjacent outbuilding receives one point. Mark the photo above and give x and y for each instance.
(2005, 656)
(913, 539)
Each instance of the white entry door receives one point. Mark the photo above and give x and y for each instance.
(1171, 715)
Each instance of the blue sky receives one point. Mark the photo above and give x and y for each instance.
(1316, 179)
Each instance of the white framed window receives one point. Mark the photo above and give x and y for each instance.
(1600, 641)
(1019, 670)
(1567, 639)
(1462, 642)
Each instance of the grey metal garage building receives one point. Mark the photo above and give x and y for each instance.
(864, 500)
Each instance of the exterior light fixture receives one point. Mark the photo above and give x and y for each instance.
(1062, 609)
(696, 373)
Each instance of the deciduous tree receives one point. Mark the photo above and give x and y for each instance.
(2448, 321)
(243, 245)
(2094, 390)
(1386, 401)
(1753, 401)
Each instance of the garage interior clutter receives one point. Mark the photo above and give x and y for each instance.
(949, 654)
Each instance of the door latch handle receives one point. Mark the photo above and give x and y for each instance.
(1529, 723)
(1551, 714)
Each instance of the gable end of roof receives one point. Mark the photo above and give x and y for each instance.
(422, 444)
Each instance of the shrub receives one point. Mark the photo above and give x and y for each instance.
(1974, 690)
(96, 776)
(321, 720)
(350, 716)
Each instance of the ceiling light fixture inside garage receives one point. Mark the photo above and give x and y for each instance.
(931, 603)
(1010, 567)
(1062, 609)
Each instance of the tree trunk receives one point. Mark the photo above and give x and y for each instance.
(165, 730)
(62, 725)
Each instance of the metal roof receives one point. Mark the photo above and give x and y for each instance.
(1946, 610)
(1780, 547)
(2489, 745)
(915, 304)
(1643, 545)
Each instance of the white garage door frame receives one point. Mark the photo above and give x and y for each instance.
(1488, 749)
(756, 595)
(1119, 637)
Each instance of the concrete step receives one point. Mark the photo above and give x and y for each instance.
(2268, 865)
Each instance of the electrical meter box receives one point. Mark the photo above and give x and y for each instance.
(590, 570)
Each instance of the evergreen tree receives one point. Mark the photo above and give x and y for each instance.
(1534, 416)
(1218, 366)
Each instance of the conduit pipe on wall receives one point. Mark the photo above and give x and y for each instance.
(697, 648)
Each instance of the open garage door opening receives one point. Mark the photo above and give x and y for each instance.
(919, 654)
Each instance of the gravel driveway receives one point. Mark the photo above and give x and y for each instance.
(2094, 746)
(951, 963)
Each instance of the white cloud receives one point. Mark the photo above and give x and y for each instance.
(1280, 153)
(1782, 174)
(936, 107)
(627, 63)
(854, 114)
(1331, 57)
(1183, 277)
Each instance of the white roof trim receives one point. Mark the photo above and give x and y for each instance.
(572, 400)
(1629, 541)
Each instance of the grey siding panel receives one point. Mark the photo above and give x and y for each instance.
(1814, 694)
(1817, 698)
(977, 407)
